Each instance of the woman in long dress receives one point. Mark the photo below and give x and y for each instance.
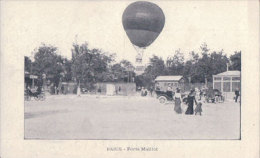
(190, 101)
(177, 106)
(199, 100)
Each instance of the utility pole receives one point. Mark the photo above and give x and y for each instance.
(227, 66)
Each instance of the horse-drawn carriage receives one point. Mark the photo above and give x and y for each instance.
(37, 95)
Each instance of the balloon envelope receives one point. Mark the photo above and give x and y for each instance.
(143, 22)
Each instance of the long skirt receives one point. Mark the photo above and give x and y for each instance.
(189, 110)
(177, 106)
(198, 108)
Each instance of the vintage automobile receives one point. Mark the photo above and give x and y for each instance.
(163, 96)
(167, 96)
(214, 95)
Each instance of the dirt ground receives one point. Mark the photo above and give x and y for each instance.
(121, 117)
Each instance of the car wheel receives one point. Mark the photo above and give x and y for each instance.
(37, 98)
(162, 99)
(42, 97)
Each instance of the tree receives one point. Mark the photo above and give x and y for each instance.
(27, 64)
(90, 65)
(67, 70)
(122, 71)
(118, 72)
(190, 67)
(175, 65)
(210, 63)
(235, 60)
(48, 62)
(156, 68)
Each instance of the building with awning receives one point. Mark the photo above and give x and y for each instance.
(227, 82)
(163, 82)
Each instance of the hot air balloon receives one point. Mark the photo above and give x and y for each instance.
(143, 22)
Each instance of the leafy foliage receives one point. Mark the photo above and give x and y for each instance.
(236, 61)
(175, 65)
(199, 68)
(48, 62)
(89, 66)
(156, 68)
(27, 64)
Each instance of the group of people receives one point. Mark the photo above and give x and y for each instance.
(59, 90)
(144, 91)
(193, 97)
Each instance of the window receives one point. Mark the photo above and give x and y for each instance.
(169, 84)
(217, 78)
(226, 78)
(235, 85)
(226, 86)
(217, 85)
(235, 78)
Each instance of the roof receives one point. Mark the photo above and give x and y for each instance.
(229, 73)
(168, 78)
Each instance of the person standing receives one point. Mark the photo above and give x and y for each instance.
(145, 92)
(151, 91)
(190, 101)
(99, 91)
(78, 91)
(236, 94)
(55, 90)
(177, 106)
(169, 91)
(62, 89)
(119, 90)
(198, 101)
(142, 91)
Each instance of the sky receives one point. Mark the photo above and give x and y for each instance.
(188, 24)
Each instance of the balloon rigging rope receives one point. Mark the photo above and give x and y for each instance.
(139, 50)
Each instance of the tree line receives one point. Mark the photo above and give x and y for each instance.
(89, 66)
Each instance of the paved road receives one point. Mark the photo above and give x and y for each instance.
(88, 117)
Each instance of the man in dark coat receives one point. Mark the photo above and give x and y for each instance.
(236, 94)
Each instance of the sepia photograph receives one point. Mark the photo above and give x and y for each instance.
(133, 78)
(129, 78)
